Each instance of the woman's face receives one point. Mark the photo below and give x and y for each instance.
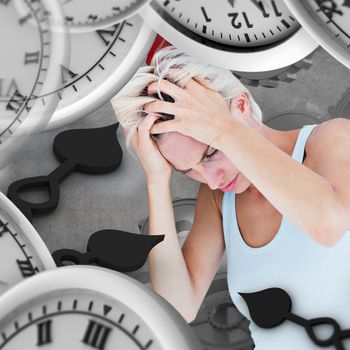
(202, 163)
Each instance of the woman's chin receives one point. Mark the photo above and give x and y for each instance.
(241, 186)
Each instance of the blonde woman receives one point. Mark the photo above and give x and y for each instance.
(278, 201)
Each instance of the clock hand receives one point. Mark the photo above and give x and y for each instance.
(279, 300)
(91, 151)
(260, 5)
(255, 2)
(117, 250)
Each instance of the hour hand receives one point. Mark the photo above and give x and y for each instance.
(255, 2)
(259, 4)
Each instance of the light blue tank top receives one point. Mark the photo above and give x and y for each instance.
(316, 277)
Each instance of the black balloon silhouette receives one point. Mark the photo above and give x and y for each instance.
(117, 250)
(270, 307)
(92, 151)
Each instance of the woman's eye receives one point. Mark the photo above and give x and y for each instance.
(211, 153)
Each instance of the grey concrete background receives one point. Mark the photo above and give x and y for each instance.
(119, 200)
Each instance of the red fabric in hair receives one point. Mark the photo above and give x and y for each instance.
(158, 44)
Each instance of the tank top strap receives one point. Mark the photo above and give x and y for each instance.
(228, 201)
(298, 151)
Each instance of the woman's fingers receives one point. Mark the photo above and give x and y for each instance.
(196, 87)
(166, 126)
(168, 88)
(147, 122)
(162, 107)
(145, 126)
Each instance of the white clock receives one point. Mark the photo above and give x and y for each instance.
(247, 36)
(22, 251)
(328, 22)
(86, 15)
(101, 62)
(30, 53)
(82, 308)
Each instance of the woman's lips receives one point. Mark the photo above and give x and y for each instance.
(230, 185)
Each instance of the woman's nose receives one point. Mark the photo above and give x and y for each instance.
(214, 179)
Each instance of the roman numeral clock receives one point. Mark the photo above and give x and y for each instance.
(82, 307)
(30, 52)
(84, 15)
(22, 252)
(101, 62)
(240, 35)
(327, 21)
(104, 53)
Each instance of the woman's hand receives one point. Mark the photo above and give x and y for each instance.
(156, 167)
(200, 112)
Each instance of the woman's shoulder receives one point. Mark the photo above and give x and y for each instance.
(331, 134)
(328, 148)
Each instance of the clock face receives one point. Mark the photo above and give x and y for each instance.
(78, 319)
(85, 15)
(29, 51)
(22, 252)
(90, 308)
(235, 34)
(328, 22)
(234, 23)
(101, 62)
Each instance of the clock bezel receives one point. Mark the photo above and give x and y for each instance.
(170, 329)
(104, 92)
(27, 229)
(290, 50)
(41, 112)
(316, 28)
(104, 23)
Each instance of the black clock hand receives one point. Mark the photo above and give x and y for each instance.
(256, 3)
(262, 7)
(270, 307)
(117, 250)
(333, 339)
(92, 151)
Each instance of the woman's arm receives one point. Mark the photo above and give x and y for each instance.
(168, 272)
(318, 202)
(183, 277)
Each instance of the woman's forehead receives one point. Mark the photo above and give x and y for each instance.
(178, 148)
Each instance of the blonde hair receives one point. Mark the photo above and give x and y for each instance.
(128, 103)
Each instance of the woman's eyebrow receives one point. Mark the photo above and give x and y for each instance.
(202, 157)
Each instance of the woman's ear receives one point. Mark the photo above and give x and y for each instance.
(240, 103)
